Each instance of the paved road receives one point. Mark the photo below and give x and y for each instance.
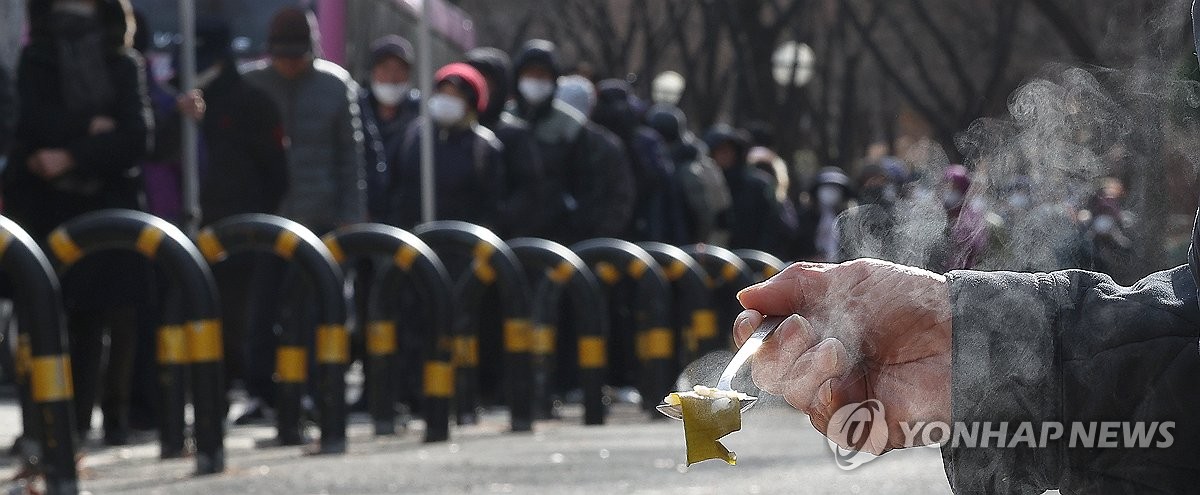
(778, 452)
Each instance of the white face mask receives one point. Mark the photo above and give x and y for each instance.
(1018, 201)
(446, 110)
(389, 94)
(829, 196)
(535, 91)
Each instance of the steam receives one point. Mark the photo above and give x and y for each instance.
(1063, 131)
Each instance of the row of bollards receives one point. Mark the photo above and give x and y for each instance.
(634, 310)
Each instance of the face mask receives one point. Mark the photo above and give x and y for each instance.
(446, 110)
(535, 91)
(389, 94)
(951, 199)
(829, 196)
(890, 193)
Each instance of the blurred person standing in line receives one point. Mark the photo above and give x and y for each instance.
(83, 124)
(755, 211)
(467, 156)
(585, 198)
(326, 187)
(521, 211)
(389, 104)
(657, 213)
(831, 193)
(967, 234)
(701, 184)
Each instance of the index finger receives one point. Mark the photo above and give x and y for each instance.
(793, 290)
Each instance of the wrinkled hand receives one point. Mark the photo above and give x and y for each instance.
(867, 329)
(101, 124)
(192, 104)
(50, 163)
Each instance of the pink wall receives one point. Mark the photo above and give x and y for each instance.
(331, 20)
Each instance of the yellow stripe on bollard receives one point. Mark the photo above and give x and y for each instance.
(148, 241)
(405, 257)
(704, 324)
(333, 344)
(204, 341)
(592, 353)
(483, 263)
(676, 270)
(656, 343)
(518, 336)
(729, 272)
(543, 340)
(608, 273)
(335, 249)
(210, 246)
(64, 248)
(172, 345)
(285, 244)
(466, 352)
(637, 269)
(291, 364)
(769, 271)
(439, 379)
(562, 273)
(5, 240)
(51, 378)
(381, 338)
(23, 357)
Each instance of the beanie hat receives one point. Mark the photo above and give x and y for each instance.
(392, 45)
(466, 79)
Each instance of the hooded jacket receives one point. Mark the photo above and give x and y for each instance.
(587, 193)
(755, 213)
(521, 211)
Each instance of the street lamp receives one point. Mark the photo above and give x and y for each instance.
(792, 64)
(667, 88)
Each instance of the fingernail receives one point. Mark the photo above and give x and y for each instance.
(830, 345)
(825, 394)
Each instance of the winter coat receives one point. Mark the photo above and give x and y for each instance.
(468, 176)
(521, 211)
(8, 110)
(245, 170)
(105, 173)
(755, 213)
(325, 143)
(1074, 346)
(378, 135)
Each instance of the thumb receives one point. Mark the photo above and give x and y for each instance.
(794, 290)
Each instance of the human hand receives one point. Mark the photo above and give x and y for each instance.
(50, 163)
(192, 104)
(867, 329)
(101, 124)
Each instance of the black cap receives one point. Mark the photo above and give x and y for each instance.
(392, 45)
(291, 33)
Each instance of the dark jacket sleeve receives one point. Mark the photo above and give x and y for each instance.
(522, 208)
(112, 152)
(267, 148)
(8, 111)
(1075, 348)
(604, 185)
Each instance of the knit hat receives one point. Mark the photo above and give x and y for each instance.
(291, 33)
(466, 79)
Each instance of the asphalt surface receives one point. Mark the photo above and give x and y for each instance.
(778, 452)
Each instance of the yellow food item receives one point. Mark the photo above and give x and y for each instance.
(705, 420)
